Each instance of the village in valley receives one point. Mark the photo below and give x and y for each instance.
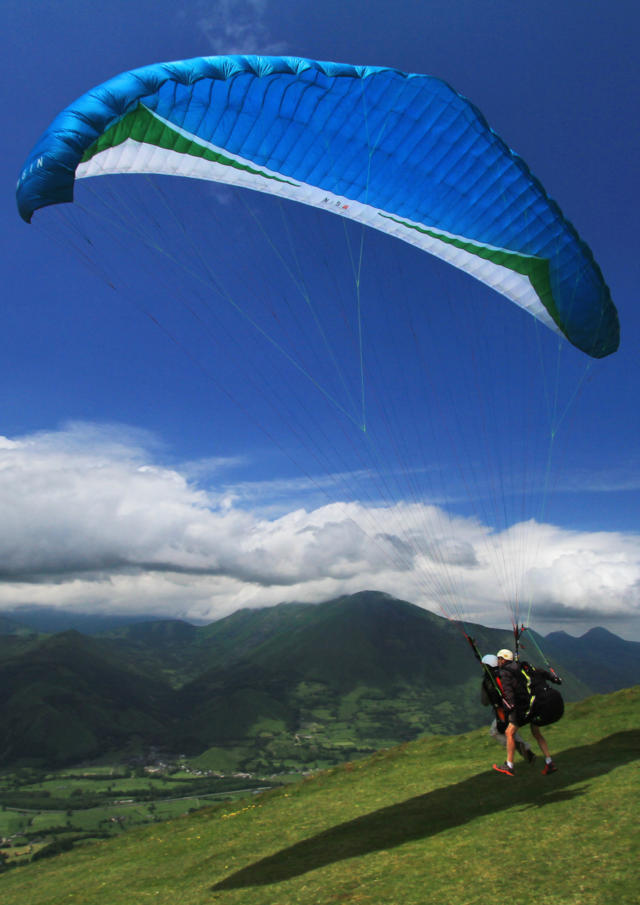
(44, 812)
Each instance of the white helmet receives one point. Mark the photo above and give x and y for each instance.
(490, 660)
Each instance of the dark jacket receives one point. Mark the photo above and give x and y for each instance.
(514, 690)
(490, 693)
(536, 678)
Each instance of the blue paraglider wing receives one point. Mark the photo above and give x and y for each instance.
(404, 154)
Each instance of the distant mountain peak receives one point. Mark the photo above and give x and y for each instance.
(600, 632)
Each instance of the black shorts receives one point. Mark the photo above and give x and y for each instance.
(519, 718)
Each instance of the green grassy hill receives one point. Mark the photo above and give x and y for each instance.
(426, 823)
(65, 698)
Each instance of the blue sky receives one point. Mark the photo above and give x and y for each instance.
(187, 469)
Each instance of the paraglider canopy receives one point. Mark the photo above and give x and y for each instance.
(405, 154)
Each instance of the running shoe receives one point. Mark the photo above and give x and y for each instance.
(549, 768)
(504, 768)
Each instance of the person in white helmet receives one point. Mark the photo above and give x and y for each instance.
(491, 697)
(517, 701)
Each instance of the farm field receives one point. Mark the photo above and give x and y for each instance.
(44, 812)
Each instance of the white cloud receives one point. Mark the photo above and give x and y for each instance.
(92, 520)
(609, 477)
(236, 26)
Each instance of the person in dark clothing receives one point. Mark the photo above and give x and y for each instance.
(491, 696)
(518, 686)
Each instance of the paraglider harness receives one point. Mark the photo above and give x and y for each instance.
(543, 705)
(493, 686)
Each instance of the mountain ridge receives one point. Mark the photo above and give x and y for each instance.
(292, 684)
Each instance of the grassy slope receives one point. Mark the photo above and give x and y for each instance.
(424, 823)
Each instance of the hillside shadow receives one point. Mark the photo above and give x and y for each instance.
(441, 809)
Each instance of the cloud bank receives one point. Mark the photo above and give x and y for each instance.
(92, 520)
